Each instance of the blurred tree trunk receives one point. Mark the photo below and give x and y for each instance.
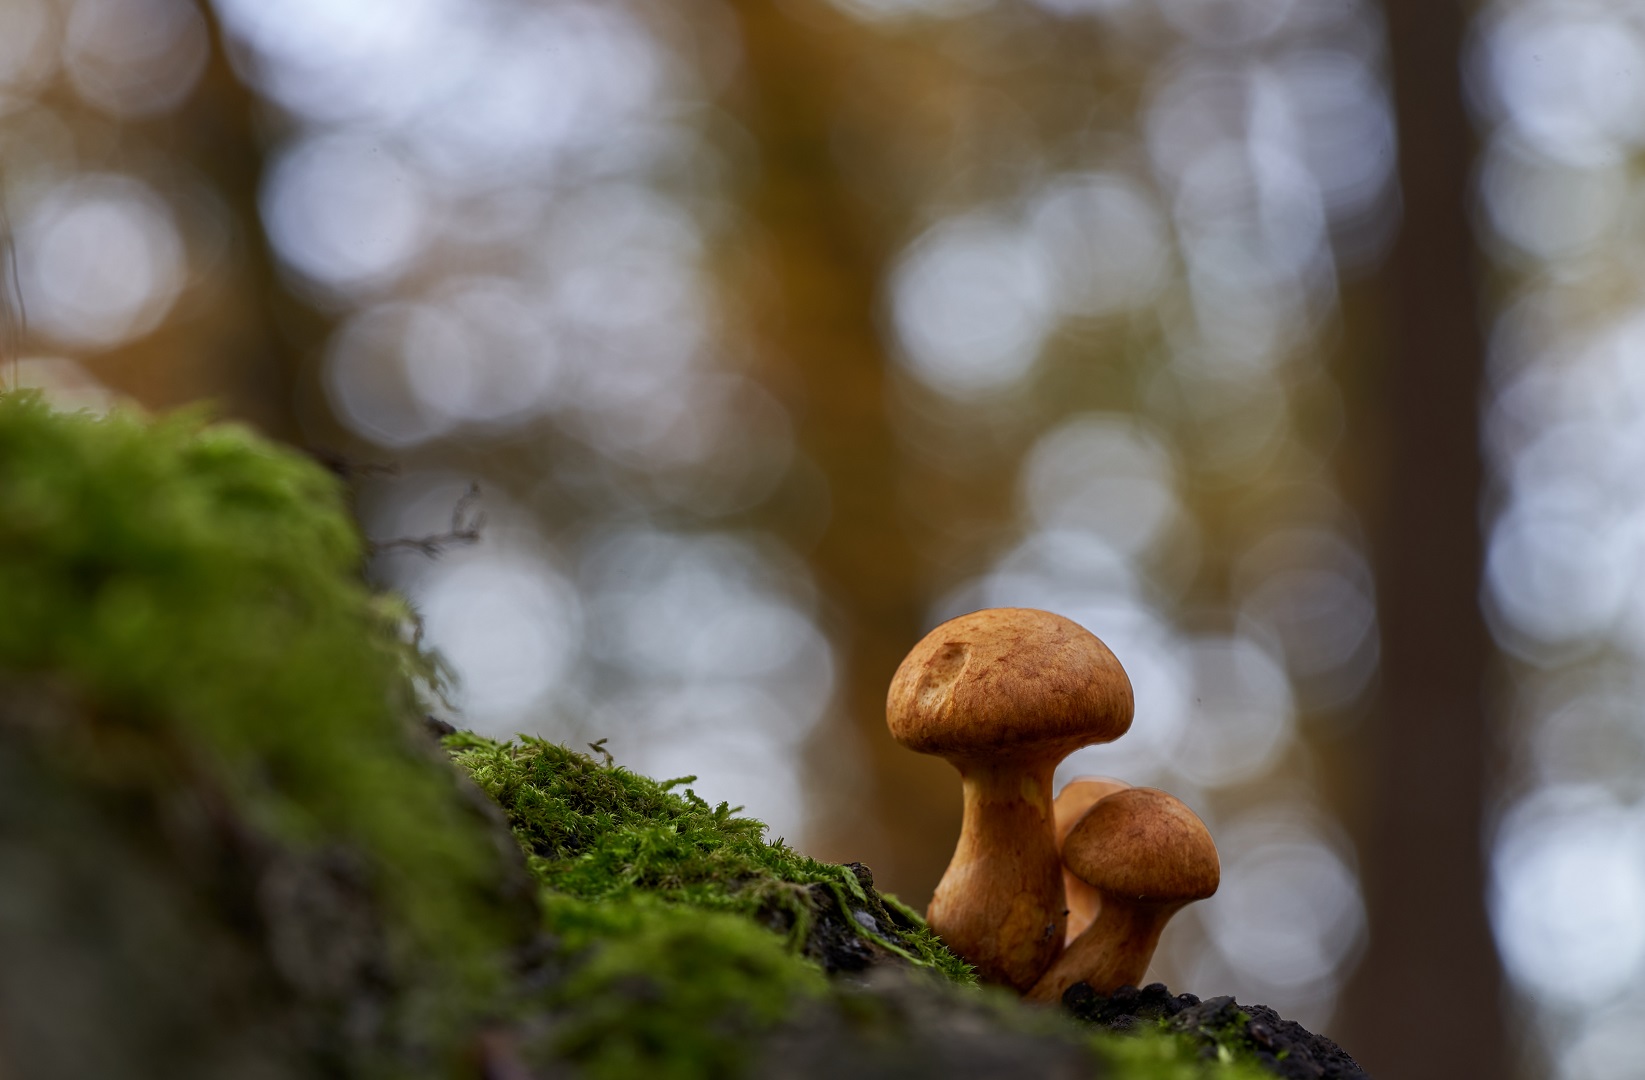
(1426, 1002)
(275, 333)
(243, 338)
(815, 269)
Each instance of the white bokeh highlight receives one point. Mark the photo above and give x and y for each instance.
(1104, 242)
(1288, 916)
(1568, 896)
(971, 305)
(344, 212)
(510, 628)
(1560, 88)
(1570, 78)
(101, 261)
(1105, 474)
(28, 49)
(725, 673)
(135, 58)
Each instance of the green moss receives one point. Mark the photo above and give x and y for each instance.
(198, 588)
(686, 931)
(601, 833)
(1166, 1055)
(685, 928)
(665, 991)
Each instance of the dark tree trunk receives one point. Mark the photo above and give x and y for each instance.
(1427, 1001)
(243, 340)
(275, 333)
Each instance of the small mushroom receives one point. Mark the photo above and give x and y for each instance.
(1076, 797)
(1148, 856)
(1004, 695)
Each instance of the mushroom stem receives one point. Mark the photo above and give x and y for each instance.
(1113, 952)
(1003, 695)
(1147, 855)
(1000, 904)
(1071, 804)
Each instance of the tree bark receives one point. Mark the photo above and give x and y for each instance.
(1427, 999)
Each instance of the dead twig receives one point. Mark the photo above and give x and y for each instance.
(349, 469)
(466, 524)
(14, 315)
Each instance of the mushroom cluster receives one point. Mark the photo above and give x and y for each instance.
(1041, 895)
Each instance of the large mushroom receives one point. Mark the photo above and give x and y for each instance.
(1148, 856)
(1071, 804)
(1004, 695)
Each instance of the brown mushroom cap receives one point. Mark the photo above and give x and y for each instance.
(1145, 846)
(1007, 683)
(1076, 797)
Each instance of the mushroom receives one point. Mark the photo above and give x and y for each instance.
(1004, 695)
(1076, 797)
(1148, 856)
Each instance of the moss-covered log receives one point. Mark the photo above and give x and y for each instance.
(229, 845)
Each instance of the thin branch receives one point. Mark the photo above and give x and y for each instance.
(349, 469)
(466, 524)
(14, 314)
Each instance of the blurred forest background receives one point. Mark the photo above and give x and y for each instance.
(1295, 347)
